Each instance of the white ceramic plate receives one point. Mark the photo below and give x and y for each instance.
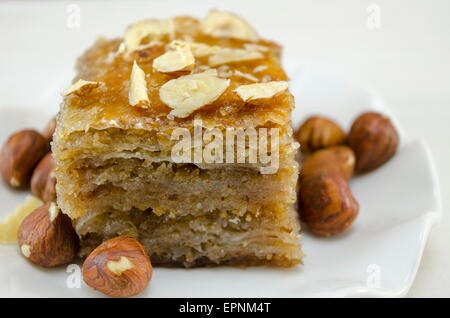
(378, 256)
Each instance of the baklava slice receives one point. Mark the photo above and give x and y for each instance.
(179, 134)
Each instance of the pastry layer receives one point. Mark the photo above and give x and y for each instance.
(211, 239)
(99, 171)
(114, 166)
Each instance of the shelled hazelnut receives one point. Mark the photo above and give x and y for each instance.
(19, 155)
(374, 140)
(340, 159)
(47, 238)
(43, 180)
(319, 132)
(119, 267)
(327, 204)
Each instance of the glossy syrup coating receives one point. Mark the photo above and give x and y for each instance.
(108, 106)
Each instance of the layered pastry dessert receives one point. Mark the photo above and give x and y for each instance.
(179, 135)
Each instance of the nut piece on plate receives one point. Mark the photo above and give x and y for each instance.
(43, 180)
(10, 225)
(326, 203)
(340, 159)
(319, 132)
(119, 267)
(47, 238)
(19, 155)
(374, 140)
(49, 130)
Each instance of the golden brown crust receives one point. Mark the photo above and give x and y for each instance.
(108, 106)
(112, 119)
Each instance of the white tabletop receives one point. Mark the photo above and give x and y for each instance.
(402, 54)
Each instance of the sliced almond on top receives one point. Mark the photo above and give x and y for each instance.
(246, 75)
(138, 88)
(136, 32)
(81, 87)
(200, 49)
(260, 90)
(260, 68)
(227, 55)
(256, 47)
(224, 24)
(191, 92)
(178, 57)
(121, 49)
(224, 71)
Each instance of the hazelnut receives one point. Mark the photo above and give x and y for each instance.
(43, 180)
(319, 132)
(47, 238)
(119, 267)
(374, 140)
(340, 159)
(19, 155)
(326, 203)
(49, 130)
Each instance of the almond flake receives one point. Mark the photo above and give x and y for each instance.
(224, 24)
(245, 75)
(191, 92)
(121, 49)
(200, 68)
(260, 90)
(81, 87)
(224, 71)
(200, 49)
(138, 88)
(10, 225)
(136, 32)
(259, 68)
(226, 55)
(178, 58)
(256, 47)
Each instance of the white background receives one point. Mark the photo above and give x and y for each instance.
(406, 61)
